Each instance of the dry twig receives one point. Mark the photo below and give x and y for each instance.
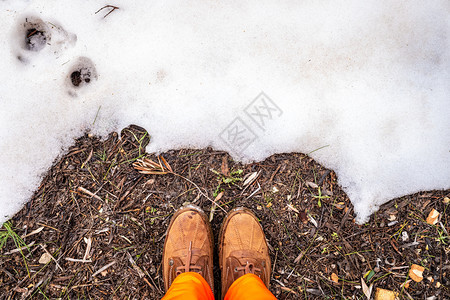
(147, 166)
(113, 8)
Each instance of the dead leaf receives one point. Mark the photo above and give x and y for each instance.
(416, 273)
(286, 289)
(219, 196)
(225, 170)
(334, 277)
(213, 207)
(303, 216)
(382, 294)
(45, 258)
(150, 181)
(292, 208)
(20, 290)
(446, 200)
(311, 185)
(433, 217)
(33, 232)
(366, 290)
(299, 257)
(339, 205)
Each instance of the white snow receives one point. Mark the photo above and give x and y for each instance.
(365, 83)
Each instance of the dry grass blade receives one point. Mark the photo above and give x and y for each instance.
(166, 164)
(148, 166)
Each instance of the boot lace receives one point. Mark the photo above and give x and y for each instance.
(248, 268)
(189, 267)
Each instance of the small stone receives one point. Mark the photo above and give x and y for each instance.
(416, 273)
(45, 258)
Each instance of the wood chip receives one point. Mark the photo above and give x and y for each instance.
(416, 273)
(78, 260)
(446, 200)
(88, 242)
(382, 294)
(433, 217)
(103, 268)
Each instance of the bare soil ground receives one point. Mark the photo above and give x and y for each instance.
(95, 228)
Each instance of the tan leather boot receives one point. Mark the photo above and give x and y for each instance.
(188, 246)
(242, 248)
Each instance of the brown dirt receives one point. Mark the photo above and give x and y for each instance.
(93, 193)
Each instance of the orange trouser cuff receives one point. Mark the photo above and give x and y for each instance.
(247, 287)
(192, 286)
(189, 286)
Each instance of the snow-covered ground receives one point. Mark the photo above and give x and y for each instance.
(364, 83)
